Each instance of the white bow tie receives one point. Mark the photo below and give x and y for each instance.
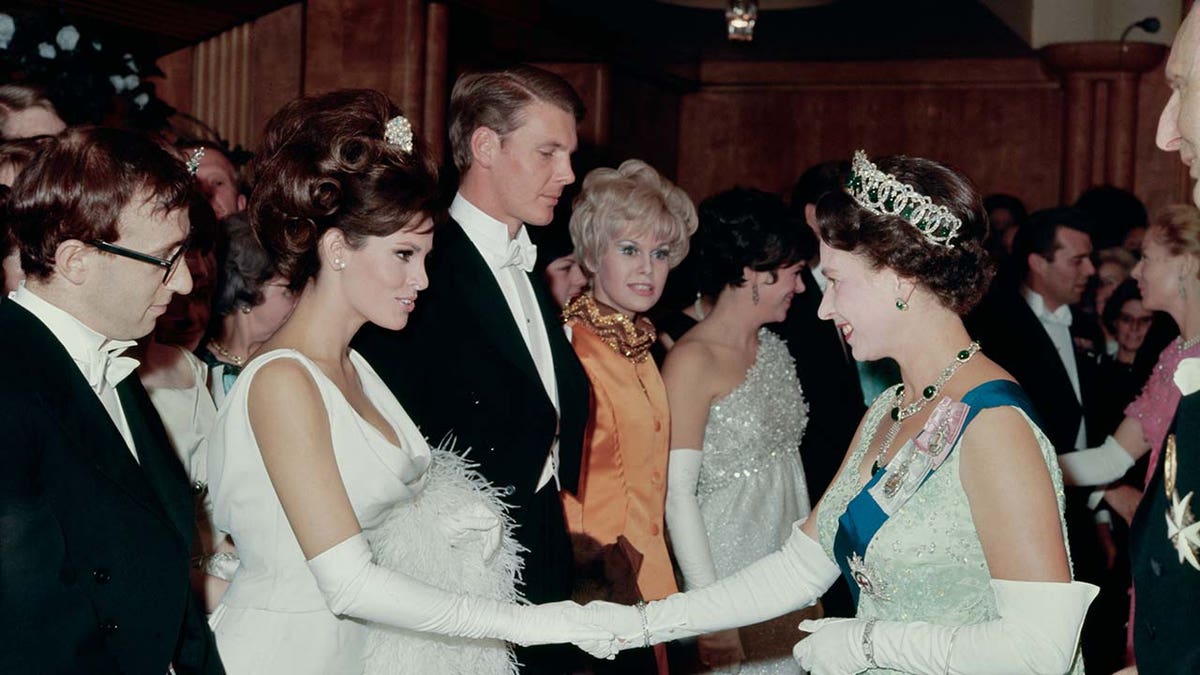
(108, 366)
(520, 255)
(1060, 316)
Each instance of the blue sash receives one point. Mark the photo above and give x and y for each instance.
(864, 516)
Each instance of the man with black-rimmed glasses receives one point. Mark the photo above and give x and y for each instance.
(95, 509)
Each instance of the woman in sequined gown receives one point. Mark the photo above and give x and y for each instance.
(737, 414)
(946, 515)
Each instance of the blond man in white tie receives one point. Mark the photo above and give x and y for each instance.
(485, 359)
(95, 509)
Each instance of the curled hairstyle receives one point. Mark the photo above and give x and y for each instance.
(76, 186)
(631, 200)
(496, 99)
(1178, 228)
(741, 228)
(958, 275)
(244, 267)
(324, 164)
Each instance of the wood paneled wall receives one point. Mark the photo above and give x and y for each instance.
(235, 81)
(1002, 121)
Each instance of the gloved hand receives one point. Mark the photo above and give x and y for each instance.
(834, 647)
(474, 527)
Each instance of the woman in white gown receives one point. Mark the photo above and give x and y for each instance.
(315, 470)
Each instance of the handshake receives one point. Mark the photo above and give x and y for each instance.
(599, 628)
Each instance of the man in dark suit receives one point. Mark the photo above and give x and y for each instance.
(1165, 551)
(485, 360)
(1031, 330)
(95, 509)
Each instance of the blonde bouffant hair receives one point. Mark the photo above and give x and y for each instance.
(1178, 228)
(630, 201)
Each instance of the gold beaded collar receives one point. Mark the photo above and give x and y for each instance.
(628, 338)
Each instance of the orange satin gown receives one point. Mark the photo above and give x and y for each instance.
(623, 479)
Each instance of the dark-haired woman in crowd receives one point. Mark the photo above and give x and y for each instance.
(557, 262)
(250, 302)
(361, 549)
(736, 484)
(945, 516)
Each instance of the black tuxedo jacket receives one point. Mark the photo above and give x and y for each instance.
(1011, 335)
(461, 368)
(95, 545)
(1168, 591)
(829, 377)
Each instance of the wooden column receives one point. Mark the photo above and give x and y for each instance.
(368, 44)
(1100, 111)
(437, 32)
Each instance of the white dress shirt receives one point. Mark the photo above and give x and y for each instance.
(490, 237)
(92, 353)
(1057, 325)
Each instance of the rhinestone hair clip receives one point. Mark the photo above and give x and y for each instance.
(399, 132)
(193, 163)
(881, 194)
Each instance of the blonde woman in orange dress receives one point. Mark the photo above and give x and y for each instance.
(630, 226)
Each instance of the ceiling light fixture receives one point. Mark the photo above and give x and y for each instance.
(740, 19)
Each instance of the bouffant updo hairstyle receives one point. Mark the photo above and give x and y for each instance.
(957, 274)
(741, 228)
(631, 200)
(325, 163)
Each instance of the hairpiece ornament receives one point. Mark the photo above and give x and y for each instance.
(193, 163)
(399, 132)
(881, 194)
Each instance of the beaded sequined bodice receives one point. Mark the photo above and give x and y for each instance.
(926, 561)
(756, 424)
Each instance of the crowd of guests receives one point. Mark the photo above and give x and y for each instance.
(314, 415)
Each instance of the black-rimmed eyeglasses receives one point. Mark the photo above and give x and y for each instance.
(169, 265)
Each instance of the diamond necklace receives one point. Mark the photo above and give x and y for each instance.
(899, 414)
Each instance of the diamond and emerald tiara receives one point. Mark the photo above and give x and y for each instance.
(881, 194)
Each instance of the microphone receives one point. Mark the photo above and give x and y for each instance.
(1150, 24)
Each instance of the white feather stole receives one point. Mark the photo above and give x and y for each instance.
(411, 541)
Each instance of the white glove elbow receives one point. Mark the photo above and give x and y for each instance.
(1037, 634)
(784, 581)
(1095, 466)
(689, 537)
(354, 586)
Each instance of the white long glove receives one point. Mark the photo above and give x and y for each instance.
(1095, 466)
(689, 538)
(784, 581)
(355, 586)
(1037, 633)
